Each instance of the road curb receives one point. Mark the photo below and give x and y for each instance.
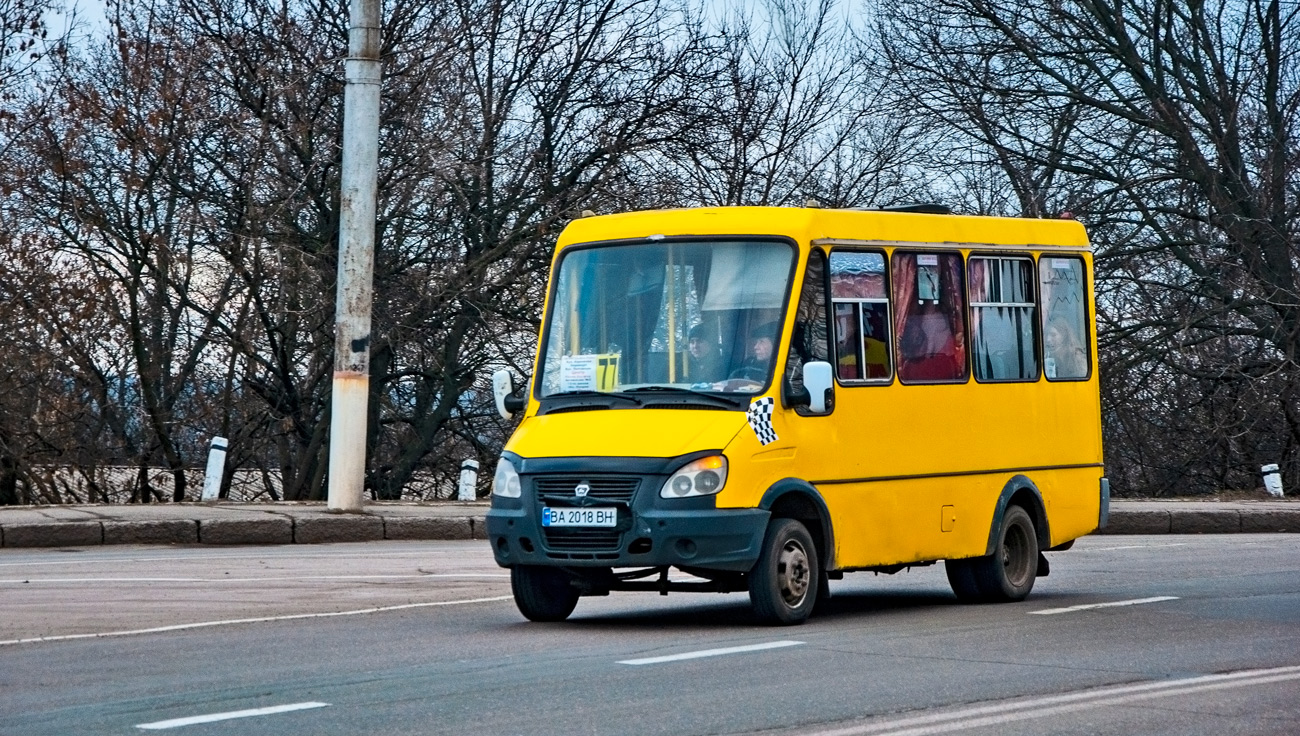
(1137, 522)
(303, 523)
(327, 529)
(58, 534)
(246, 531)
(168, 531)
(461, 527)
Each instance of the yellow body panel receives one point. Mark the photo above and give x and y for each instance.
(895, 464)
(616, 433)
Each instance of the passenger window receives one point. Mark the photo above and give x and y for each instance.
(860, 299)
(1002, 319)
(1066, 354)
(929, 317)
(810, 340)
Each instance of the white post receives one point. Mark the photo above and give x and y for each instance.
(1272, 480)
(216, 468)
(468, 481)
(357, 207)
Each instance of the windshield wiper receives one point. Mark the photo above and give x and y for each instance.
(710, 398)
(592, 395)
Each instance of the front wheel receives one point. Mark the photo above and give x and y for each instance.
(784, 584)
(542, 593)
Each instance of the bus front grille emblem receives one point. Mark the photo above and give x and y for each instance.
(582, 489)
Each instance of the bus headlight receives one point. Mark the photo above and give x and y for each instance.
(702, 477)
(506, 481)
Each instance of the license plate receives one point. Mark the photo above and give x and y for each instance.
(579, 516)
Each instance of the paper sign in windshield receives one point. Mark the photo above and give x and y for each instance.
(578, 372)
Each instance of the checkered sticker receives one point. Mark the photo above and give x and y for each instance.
(760, 420)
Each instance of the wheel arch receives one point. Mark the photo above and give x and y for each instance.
(1021, 491)
(792, 498)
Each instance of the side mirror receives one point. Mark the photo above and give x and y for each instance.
(817, 380)
(503, 390)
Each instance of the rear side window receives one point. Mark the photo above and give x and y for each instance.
(1066, 354)
(1002, 320)
(860, 299)
(929, 317)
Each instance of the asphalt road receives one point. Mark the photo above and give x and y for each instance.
(1197, 635)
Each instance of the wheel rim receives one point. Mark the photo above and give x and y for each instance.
(1015, 555)
(793, 573)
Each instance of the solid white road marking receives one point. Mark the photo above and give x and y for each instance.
(1087, 606)
(1020, 710)
(261, 619)
(272, 555)
(712, 652)
(213, 717)
(17, 581)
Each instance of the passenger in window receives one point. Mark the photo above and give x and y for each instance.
(875, 342)
(704, 362)
(929, 350)
(846, 341)
(1065, 356)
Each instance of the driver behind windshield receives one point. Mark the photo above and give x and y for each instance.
(758, 361)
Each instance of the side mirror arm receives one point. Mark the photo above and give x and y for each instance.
(794, 396)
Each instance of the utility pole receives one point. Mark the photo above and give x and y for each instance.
(351, 390)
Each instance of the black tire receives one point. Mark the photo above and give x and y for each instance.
(961, 576)
(542, 593)
(823, 593)
(784, 584)
(1008, 574)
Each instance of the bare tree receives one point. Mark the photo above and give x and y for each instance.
(1172, 129)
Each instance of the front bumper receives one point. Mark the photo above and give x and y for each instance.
(651, 531)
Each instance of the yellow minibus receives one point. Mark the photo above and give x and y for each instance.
(761, 399)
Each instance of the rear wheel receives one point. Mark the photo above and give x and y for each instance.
(542, 593)
(1008, 574)
(785, 582)
(961, 576)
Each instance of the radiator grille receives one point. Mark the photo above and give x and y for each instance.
(618, 488)
(605, 488)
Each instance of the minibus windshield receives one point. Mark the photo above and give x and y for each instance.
(691, 317)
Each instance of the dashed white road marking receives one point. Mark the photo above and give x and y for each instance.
(1131, 546)
(712, 652)
(1020, 710)
(213, 717)
(1112, 604)
(260, 619)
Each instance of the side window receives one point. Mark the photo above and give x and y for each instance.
(1065, 318)
(860, 300)
(1002, 321)
(929, 317)
(810, 339)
